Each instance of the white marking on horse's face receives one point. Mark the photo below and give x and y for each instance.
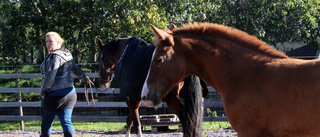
(145, 89)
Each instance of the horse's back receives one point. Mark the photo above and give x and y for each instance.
(302, 97)
(284, 100)
(132, 68)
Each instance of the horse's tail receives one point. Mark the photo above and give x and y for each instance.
(193, 105)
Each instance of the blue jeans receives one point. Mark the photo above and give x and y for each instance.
(64, 116)
(61, 104)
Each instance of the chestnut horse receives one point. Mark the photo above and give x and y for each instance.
(129, 59)
(264, 92)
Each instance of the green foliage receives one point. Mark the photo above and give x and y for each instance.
(210, 113)
(11, 83)
(214, 125)
(7, 83)
(30, 97)
(24, 23)
(5, 70)
(29, 69)
(8, 97)
(26, 97)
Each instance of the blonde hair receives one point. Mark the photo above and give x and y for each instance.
(56, 36)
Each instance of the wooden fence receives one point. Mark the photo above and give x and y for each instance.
(21, 105)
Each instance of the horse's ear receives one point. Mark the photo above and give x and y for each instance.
(173, 27)
(162, 36)
(100, 44)
(181, 83)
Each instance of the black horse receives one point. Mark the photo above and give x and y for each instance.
(129, 60)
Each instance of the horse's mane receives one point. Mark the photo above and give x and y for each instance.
(230, 33)
(111, 47)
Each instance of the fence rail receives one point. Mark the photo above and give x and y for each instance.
(78, 104)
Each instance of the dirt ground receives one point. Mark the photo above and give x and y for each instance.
(36, 133)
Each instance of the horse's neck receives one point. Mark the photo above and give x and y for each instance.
(224, 64)
(121, 47)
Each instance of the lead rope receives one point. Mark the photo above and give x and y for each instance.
(86, 93)
(91, 84)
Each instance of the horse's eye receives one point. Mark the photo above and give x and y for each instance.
(159, 60)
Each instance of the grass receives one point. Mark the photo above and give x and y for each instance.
(97, 126)
(215, 125)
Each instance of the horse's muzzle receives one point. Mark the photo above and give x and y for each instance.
(148, 103)
(150, 100)
(149, 97)
(104, 85)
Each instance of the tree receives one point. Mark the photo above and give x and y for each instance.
(24, 23)
(271, 20)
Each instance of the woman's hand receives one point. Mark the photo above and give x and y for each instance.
(88, 81)
(43, 94)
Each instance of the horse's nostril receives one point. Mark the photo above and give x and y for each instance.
(144, 98)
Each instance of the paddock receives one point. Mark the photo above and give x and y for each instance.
(107, 107)
(57, 133)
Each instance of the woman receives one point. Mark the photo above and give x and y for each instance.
(58, 95)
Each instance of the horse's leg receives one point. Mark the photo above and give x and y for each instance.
(175, 105)
(129, 119)
(173, 101)
(137, 118)
(190, 114)
(134, 114)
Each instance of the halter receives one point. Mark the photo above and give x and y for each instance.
(91, 84)
(104, 69)
(108, 72)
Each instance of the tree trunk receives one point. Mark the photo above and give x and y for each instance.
(40, 54)
(31, 54)
(93, 57)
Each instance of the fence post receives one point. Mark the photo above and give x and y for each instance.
(19, 100)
